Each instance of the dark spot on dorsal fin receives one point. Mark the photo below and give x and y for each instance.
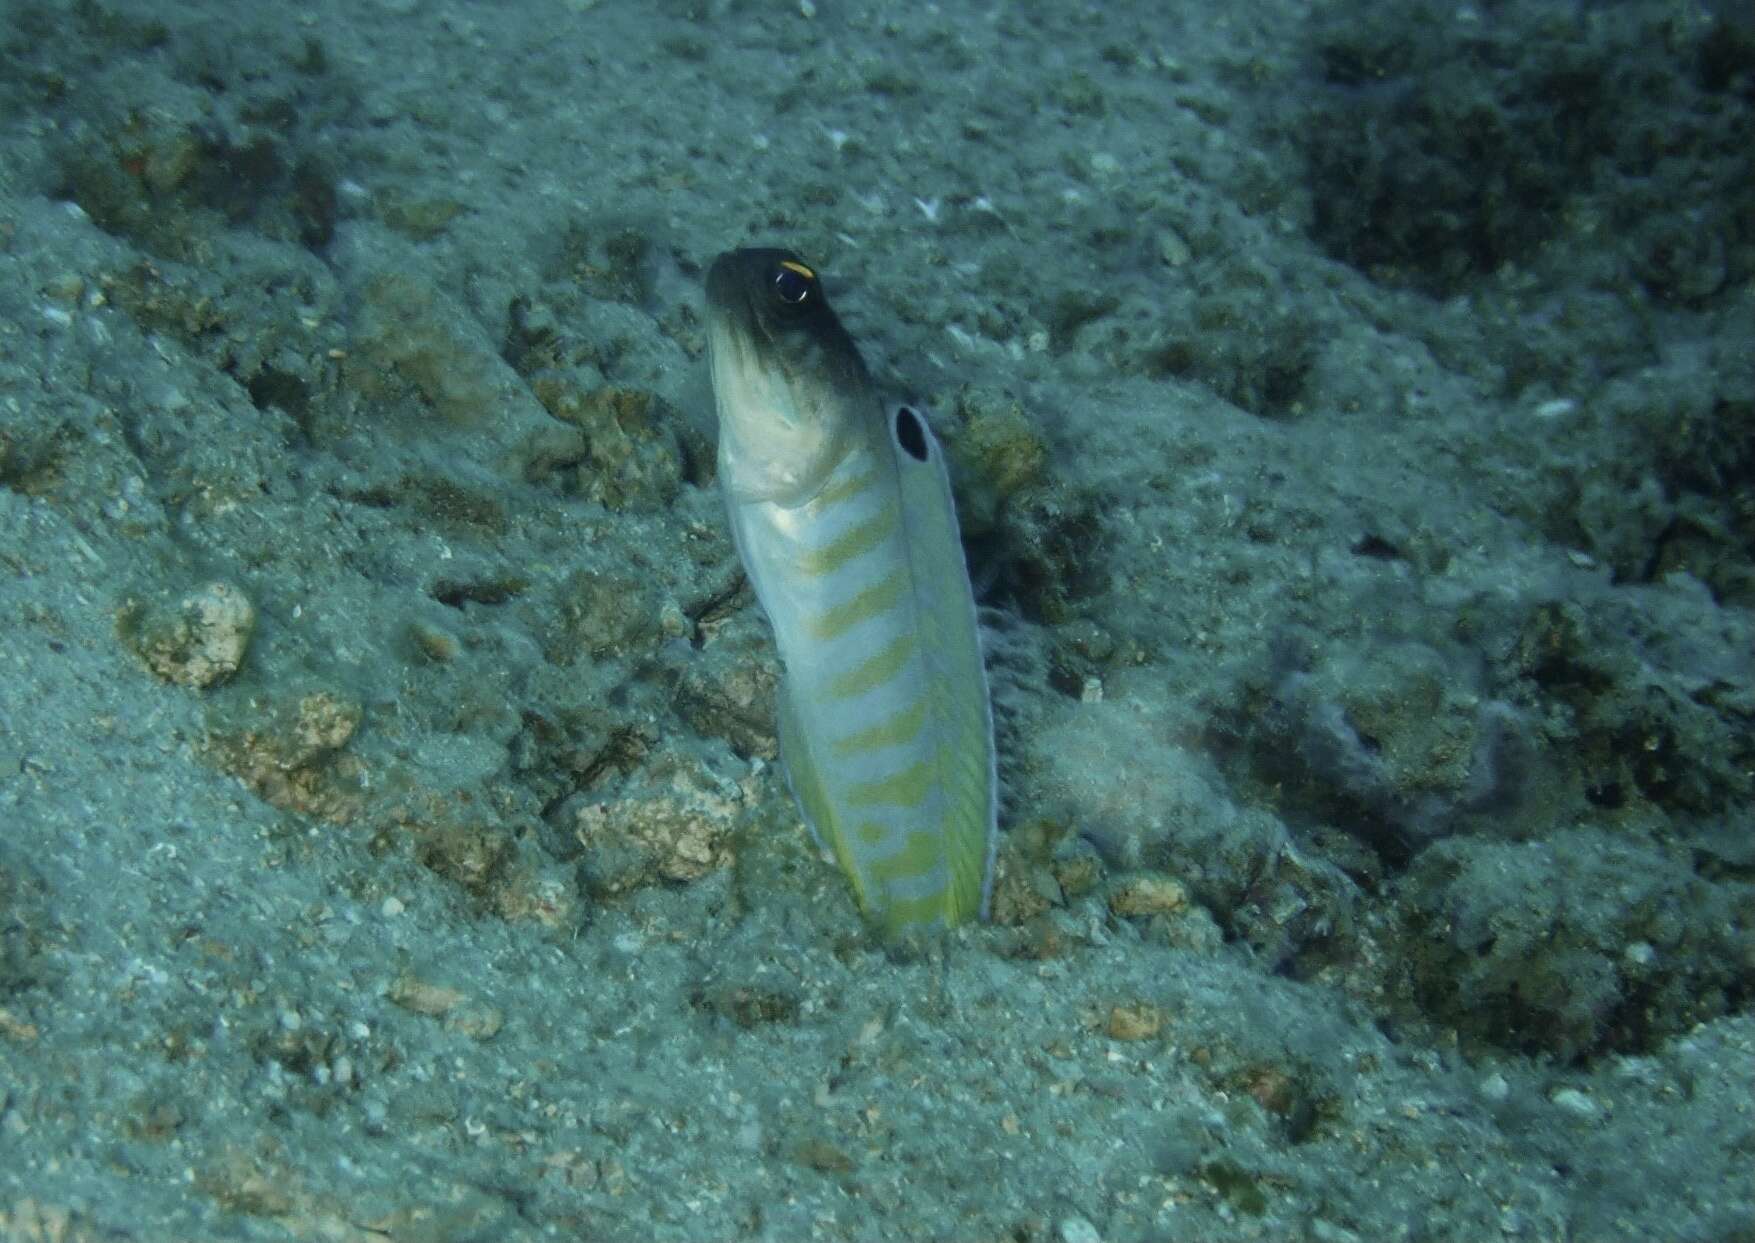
(910, 434)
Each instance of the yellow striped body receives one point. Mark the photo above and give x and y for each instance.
(885, 727)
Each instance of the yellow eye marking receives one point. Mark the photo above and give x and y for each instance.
(792, 265)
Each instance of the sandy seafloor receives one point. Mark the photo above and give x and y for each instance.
(1354, 430)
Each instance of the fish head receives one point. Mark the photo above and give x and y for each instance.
(788, 382)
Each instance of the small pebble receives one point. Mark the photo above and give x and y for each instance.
(1078, 1230)
(1576, 1103)
(1140, 1021)
(1151, 893)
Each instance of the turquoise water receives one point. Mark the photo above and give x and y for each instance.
(1350, 411)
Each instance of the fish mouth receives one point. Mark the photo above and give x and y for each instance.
(787, 381)
(735, 291)
(727, 292)
(774, 302)
(770, 326)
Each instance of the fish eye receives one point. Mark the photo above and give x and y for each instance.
(792, 284)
